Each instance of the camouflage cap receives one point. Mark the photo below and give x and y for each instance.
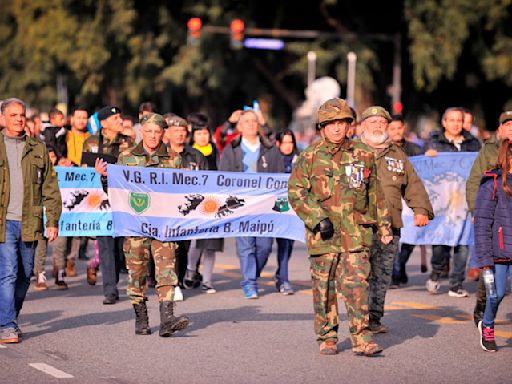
(334, 109)
(505, 116)
(176, 121)
(154, 118)
(375, 111)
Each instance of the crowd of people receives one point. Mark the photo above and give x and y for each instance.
(347, 187)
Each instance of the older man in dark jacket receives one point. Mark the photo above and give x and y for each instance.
(452, 139)
(251, 152)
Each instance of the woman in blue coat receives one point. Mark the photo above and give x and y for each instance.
(493, 236)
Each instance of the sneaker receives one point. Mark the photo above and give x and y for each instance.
(18, 331)
(178, 295)
(109, 300)
(458, 293)
(328, 347)
(377, 328)
(286, 289)
(432, 286)
(250, 292)
(487, 338)
(208, 288)
(9, 335)
(41, 282)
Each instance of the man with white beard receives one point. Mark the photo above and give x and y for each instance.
(398, 179)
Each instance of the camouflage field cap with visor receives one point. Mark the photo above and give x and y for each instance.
(375, 111)
(505, 116)
(334, 109)
(176, 121)
(154, 118)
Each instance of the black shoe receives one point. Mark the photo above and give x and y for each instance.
(191, 280)
(404, 279)
(109, 300)
(487, 338)
(168, 322)
(141, 319)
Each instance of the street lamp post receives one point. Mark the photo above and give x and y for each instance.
(351, 78)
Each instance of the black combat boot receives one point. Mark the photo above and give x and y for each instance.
(168, 322)
(141, 319)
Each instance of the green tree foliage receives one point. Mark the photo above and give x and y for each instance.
(440, 30)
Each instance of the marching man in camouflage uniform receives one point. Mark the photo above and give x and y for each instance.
(333, 188)
(398, 179)
(152, 152)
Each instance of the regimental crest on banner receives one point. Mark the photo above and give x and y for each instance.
(139, 202)
(281, 205)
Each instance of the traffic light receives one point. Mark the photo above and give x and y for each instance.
(237, 34)
(194, 31)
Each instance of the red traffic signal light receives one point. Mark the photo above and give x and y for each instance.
(237, 26)
(194, 24)
(237, 33)
(194, 30)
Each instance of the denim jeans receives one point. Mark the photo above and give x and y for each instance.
(284, 252)
(110, 250)
(500, 281)
(16, 265)
(253, 253)
(441, 258)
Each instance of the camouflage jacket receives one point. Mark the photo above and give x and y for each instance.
(485, 160)
(398, 179)
(163, 157)
(112, 147)
(338, 182)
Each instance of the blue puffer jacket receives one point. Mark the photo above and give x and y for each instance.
(493, 220)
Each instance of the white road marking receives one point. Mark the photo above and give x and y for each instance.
(52, 371)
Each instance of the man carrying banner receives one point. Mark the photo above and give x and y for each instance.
(398, 180)
(333, 189)
(151, 152)
(451, 139)
(107, 144)
(251, 152)
(27, 183)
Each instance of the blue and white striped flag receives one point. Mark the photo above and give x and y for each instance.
(172, 204)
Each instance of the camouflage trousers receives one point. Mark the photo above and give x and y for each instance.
(381, 261)
(138, 251)
(349, 272)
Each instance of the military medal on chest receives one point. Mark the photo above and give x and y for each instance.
(357, 174)
(395, 165)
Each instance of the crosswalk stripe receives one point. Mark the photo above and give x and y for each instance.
(52, 371)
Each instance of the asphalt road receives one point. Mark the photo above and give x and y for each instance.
(70, 336)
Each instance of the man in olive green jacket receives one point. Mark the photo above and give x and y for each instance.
(23, 195)
(398, 180)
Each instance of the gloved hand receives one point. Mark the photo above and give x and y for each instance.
(325, 228)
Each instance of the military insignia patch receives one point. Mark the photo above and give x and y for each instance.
(281, 205)
(139, 202)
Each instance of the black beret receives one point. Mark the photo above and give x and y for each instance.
(105, 112)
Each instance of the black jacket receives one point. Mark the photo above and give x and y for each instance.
(411, 149)
(269, 160)
(193, 159)
(440, 143)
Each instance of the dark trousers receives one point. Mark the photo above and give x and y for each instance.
(401, 260)
(182, 259)
(110, 249)
(284, 252)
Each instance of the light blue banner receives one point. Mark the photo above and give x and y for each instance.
(444, 177)
(172, 204)
(85, 206)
